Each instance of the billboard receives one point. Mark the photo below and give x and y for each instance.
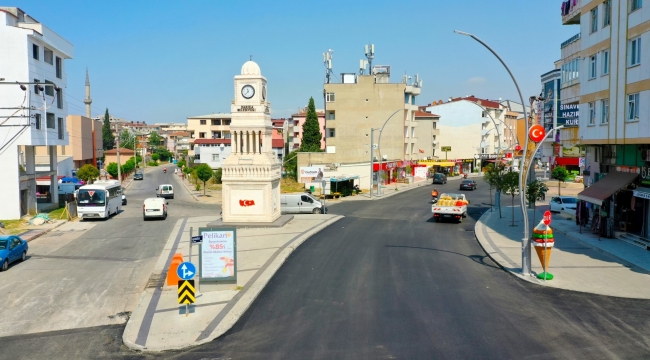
(551, 94)
(311, 174)
(568, 115)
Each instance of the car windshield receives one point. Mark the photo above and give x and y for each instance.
(91, 197)
(467, 181)
(4, 244)
(569, 200)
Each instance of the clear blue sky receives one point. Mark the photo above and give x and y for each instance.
(161, 61)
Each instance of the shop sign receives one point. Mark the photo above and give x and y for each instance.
(458, 161)
(488, 156)
(445, 148)
(568, 115)
(628, 169)
(468, 160)
(645, 175)
(582, 162)
(641, 194)
(311, 173)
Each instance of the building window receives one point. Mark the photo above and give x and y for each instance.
(51, 122)
(216, 122)
(59, 67)
(434, 124)
(226, 135)
(35, 51)
(215, 157)
(592, 113)
(216, 135)
(201, 135)
(37, 121)
(49, 56)
(36, 91)
(330, 115)
(329, 97)
(604, 111)
(634, 52)
(59, 98)
(635, 4)
(49, 90)
(331, 132)
(61, 129)
(592, 67)
(594, 19)
(633, 107)
(607, 13)
(202, 122)
(226, 122)
(605, 60)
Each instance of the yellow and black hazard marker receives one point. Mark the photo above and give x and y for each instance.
(186, 292)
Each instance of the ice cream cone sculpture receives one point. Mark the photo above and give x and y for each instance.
(543, 242)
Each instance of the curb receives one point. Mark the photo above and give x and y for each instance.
(56, 225)
(188, 189)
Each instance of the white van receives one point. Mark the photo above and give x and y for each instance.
(301, 203)
(165, 191)
(154, 207)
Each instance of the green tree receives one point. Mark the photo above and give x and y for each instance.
(107, 134)
(217, 176)
(560, 174)
(180, 164)
(311, 132)
(155, 139)
(111, 169)
(494, 177)
(510, 185)
(155, 157)
(128, 166)
(535, 191)
(291, 164)
(204, 173)
(88, 173)
(127, 140)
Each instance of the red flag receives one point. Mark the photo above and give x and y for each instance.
(422, 151)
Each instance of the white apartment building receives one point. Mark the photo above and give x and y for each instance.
(212, 126)
(33, 114)
(172, 127)
(212, 151)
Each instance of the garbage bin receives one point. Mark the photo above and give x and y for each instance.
(312, 189)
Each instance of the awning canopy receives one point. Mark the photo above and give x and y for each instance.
(563, 161)
(344, 178)
(611, 183)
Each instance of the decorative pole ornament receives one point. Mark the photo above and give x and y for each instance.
(543, 242)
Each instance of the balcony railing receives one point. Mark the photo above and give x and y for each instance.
(573, 15)
(572, 39)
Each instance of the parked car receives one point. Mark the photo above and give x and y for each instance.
(468, 185)
(165, 191)
(563, 203)
(138, 176)
(154, 208)
(301, 203)
(123, 196)
(439, 178)
(12, 248)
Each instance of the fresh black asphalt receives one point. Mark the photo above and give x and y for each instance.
(387, 282)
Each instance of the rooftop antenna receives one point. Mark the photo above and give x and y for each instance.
(327, 61)
(362, 66)
(370, 54)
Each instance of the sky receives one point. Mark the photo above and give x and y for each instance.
(162, 61)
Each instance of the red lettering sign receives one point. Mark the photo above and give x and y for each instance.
(246, 202)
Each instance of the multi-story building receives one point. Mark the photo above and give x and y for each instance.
(212, 126)
(427, 135)
(214, 151)
(606, 74)
(172, 127)
(354, 107)
(298, 120)
(34, 112)
(80, 145)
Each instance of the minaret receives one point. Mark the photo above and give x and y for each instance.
(88, 100)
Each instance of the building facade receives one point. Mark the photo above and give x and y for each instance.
(35, 112)
(298, 120)
(427, 134)
(84, 146)
(212, 126)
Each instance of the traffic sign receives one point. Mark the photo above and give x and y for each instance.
(197, 239)
(186, 292)
(536, 133)
(547, 218)
(186, 270)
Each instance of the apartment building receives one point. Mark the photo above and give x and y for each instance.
(606, 73)
(427, 135)
(298, 120)
(355, 106)
(172, 127)
(35, 111)
(85, 142)
(212, 126)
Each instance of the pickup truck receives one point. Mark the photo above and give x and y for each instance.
(451, 207)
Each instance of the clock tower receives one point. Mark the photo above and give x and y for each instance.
(251, 173)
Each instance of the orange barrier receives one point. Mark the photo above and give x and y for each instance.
(172, 277)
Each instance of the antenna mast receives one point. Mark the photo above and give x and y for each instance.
(370, 54)
(327, 61)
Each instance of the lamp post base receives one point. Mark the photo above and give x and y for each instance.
(545, 276)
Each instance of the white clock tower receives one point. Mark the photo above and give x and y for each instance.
(251, 174)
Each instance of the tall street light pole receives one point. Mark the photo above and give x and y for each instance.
(372, 159)
(379, 149)
(525, 245)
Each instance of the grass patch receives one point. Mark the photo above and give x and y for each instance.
(289, 185)
(56, 214)
(14, 226)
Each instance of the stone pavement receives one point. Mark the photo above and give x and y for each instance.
(159, 323)
(578, 262)
(34, 231)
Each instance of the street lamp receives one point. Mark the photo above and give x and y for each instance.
(526, 250)
(372, 159)
(379, 149)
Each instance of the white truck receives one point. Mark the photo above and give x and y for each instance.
(450, 207)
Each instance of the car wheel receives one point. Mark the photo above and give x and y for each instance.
(460, 219)
(23, 257)
(316, 211)
(5, 265)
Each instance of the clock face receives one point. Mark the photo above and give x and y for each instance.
(248, 91)
(264, 93)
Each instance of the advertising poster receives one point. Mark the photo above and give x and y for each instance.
(569, 115)
(311, 174)
(218, 256)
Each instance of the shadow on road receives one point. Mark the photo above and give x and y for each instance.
(479, 259)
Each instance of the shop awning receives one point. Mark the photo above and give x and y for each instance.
(564, 161)
(608, 185)
(444, 163)
(344, 178)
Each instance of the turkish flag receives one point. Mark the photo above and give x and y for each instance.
(421, 151)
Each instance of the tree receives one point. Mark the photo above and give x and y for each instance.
(155, 157)
(155, 139)
(204, 173)
(510, 186)
(494, 176)
(217, 176)
(311, 135)
(111, 169)
(535, 191)
(559, 173)
(107, 134)
(127, 140)
(180, 163)
(291, 164)
(88, 173)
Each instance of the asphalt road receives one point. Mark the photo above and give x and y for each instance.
(388, 283)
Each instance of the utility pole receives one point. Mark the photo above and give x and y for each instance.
(119, 164)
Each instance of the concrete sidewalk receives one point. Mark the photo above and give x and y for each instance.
(159, 323)
(577, 265)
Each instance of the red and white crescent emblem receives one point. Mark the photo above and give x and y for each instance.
(536, 133)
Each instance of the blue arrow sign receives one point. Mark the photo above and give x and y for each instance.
(186, 270)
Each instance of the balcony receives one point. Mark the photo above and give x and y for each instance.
(573, 16)
(569, 41)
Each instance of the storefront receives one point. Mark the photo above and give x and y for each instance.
(439, 166)
(572, 164)
(388, 174)
(467, 166)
